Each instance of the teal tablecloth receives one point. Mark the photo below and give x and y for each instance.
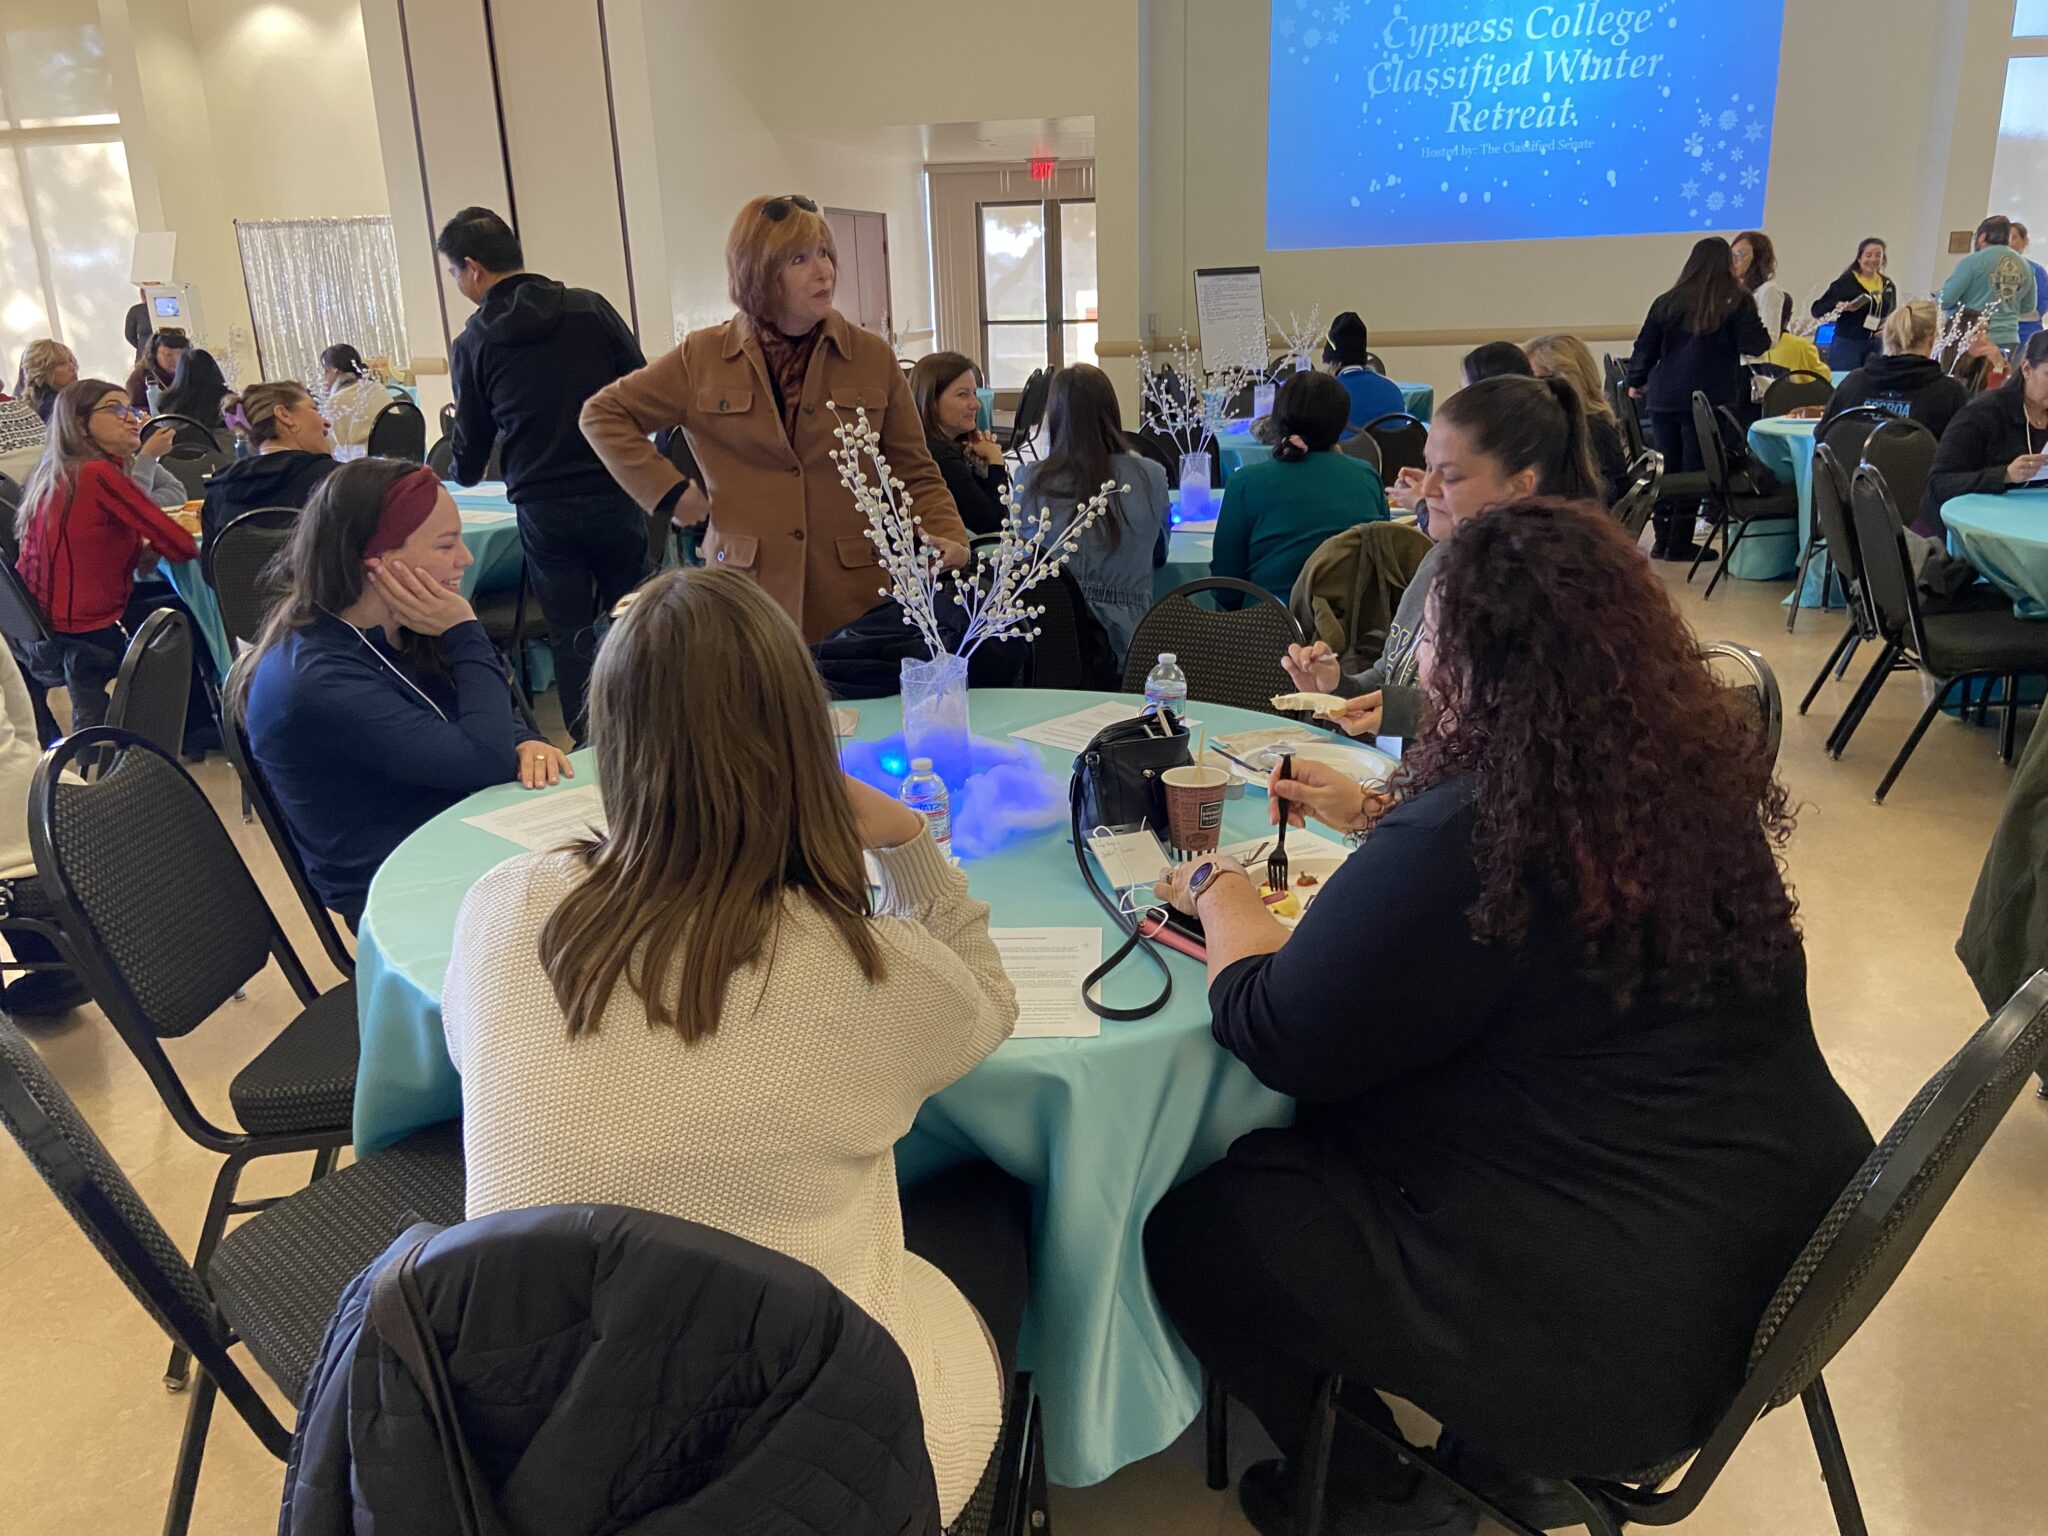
(2006, 538)
(1100, 1129)
(1785, 444)
(1190, 548)
(489, 527)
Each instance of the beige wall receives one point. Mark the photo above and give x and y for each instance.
(1886, 115)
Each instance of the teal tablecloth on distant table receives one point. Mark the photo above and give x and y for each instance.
(1237, 448)
(489, 527)
(1190, 548)
(1785, 444)
(2006, 538)
(1099, 1128)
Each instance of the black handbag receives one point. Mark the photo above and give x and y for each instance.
(1118, 784)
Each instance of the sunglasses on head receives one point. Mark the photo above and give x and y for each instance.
(777, 208)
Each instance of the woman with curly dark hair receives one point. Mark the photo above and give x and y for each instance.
(1563, 1123)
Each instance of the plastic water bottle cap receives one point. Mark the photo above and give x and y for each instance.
(920, 765)
(1167, 658)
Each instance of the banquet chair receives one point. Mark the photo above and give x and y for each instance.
(186, 433)
(164, 924)
(1360, 444)
(1742, 670)
(1071, 649)
(441, 457)
(192, 467)
(1797, 388)
(274, 1280)
(260, 797)
(1846, 435)
(23, 626)
(236, 563)
(1903, 451)
(514, 622)
(1229, 657)
(155, 682)
(1024, 421)
(1948, 648)
(1150, 445)
(1733, 494)
(1400, 437)
(1838, 1280)
(1837, 537)
(1646, 480)
(399, 432)
(1374, 362)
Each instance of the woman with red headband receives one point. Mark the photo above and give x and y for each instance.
(373, 698)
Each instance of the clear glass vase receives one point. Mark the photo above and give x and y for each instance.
(935, 717)
(1196, 498)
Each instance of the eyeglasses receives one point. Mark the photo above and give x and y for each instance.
(125, 412)
(777, 208)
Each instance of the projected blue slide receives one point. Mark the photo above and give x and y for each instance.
(1427, 122)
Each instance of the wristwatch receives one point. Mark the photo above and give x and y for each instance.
(1206, 875)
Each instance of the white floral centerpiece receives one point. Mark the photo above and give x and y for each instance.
(954, 612)
(1301, 337)
(1186, 406)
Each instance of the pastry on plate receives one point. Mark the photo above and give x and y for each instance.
(1308, 703)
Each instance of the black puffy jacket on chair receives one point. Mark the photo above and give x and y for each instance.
(617, 1371)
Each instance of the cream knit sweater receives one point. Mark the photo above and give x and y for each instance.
(779, 1127)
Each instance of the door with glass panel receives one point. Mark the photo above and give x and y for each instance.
(1038, 289)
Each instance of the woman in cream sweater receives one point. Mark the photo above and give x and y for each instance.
(700, 1014)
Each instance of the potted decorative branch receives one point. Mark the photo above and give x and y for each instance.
(1186, 407)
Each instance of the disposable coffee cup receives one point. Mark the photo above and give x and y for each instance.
(1194, 807)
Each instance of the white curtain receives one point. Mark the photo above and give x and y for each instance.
(315, 282)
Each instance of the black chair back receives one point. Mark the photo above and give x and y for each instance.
(446, 419)
(1743, 670)
(1645, 480)
(21, 616)
(1150, 445)
(399, 432)
(164, 919)
(1831, 515)
(1372, 361)
(1364, 446)
(10, 509)
(1798, 388)
(1229, 657)
(675, 447)
(1713, 447)
(1903, 452)
(441, 457)
(1238, 405)
(1071, 648)
(1847, 432)
(192, 467)
(87, 1182)
(1887, 569)
(235, 738)
(1864, 1242)
(155, 682)
(1030, 409)
(237, 563)
(186, 433)
(1400, 437)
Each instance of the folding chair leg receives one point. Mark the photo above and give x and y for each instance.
(1820, 677)
(1720, 522)
(1860, 702)
(1842, 670)
(1311, 1492)
(1799, 585)
(191, 1450)
(1834, 1461)
(323, 1163)
(2009, 730)
(1728, 548)
(1215, 1433)
(1884, 786)
(210, 1230)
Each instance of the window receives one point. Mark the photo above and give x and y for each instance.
(2019, 169)
(1038, 289)
(2030, 19)
(67, 212)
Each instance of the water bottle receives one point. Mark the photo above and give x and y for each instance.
(1166, 686)
(925, 793)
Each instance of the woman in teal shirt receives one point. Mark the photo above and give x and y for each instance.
(1275, 514)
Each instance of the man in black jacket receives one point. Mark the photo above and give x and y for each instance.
(529, 357)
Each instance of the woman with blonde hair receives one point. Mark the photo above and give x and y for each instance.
(1560, 355)
(288, 451)
(702, 1012)
(756, 398)
(1904, 379)
(48, 368)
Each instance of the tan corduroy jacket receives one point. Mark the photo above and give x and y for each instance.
(777, 507)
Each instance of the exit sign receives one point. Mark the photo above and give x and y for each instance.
(1043, 169)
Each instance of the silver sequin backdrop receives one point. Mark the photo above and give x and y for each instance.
(315, 282)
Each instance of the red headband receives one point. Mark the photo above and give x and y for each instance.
(408, 503)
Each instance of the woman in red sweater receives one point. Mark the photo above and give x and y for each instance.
(85, 527)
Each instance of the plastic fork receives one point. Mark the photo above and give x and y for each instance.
(1276, 861)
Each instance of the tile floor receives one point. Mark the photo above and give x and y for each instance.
(1941, 1396)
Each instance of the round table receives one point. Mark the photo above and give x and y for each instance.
(489, 527)
(2006, 538)
(1099, 1128)
(1785, 444)
(1190, 548)
(1237, 448)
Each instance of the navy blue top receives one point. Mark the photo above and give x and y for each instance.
(1372, 395)
(357, 755)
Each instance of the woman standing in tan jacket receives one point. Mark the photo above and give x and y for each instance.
(751, 397)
